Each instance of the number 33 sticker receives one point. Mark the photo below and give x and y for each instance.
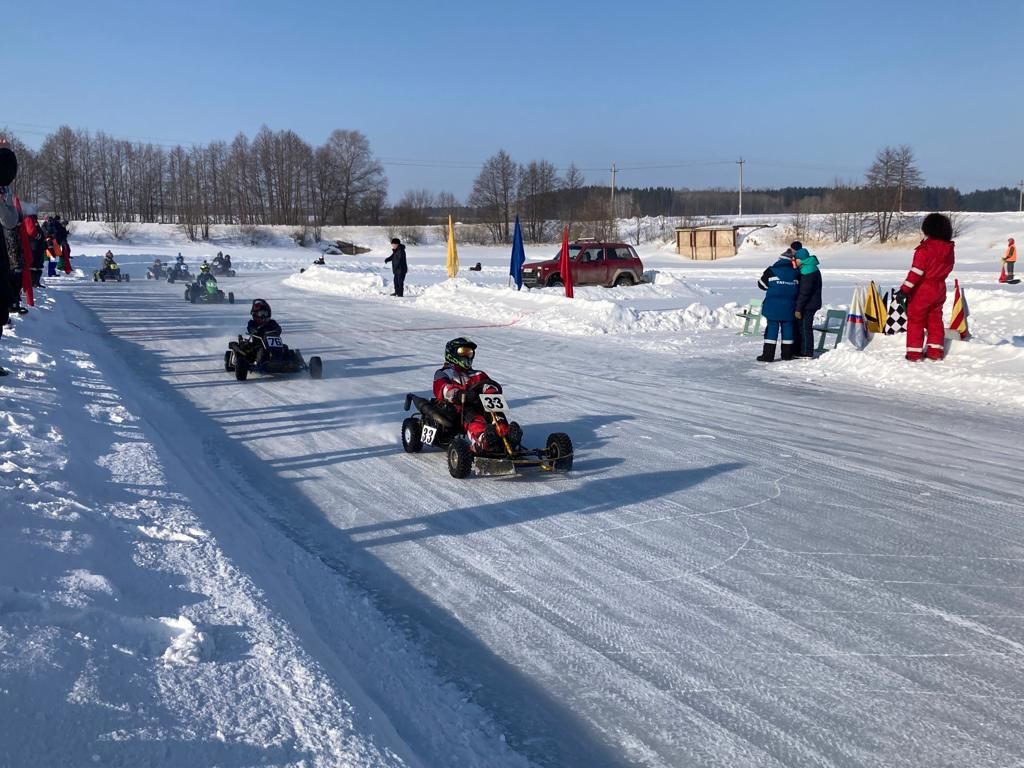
(492, 403)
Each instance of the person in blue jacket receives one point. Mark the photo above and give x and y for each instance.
(808, 299)
(781, 282)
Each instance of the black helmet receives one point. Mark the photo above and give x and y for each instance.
(260, 310)
(460, 352)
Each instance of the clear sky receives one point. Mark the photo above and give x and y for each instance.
(805, 91)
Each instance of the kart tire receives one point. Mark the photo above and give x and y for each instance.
(127, 278)
(460, 459)
(241, 368)
(231, 297)
(412, 435)
(316, 367)
(95, 278)
(228, 366)
(559, 445)
(231, 273)
(170, 279)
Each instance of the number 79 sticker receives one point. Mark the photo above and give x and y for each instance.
(493, 403)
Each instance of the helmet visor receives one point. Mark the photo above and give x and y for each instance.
(467, 352)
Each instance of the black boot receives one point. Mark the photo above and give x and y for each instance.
(787, 351)
(768, 356)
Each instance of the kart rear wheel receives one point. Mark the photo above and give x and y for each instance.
(241, 368)
(412, 435)
(559, 446)
(228, 366)
(127, 278)
(460, 459)
(316, 367)
(231, 297)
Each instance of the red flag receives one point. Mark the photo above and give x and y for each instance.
(565, 266)
(65, 254)
(26, 257)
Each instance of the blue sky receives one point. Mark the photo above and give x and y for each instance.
(805, 91)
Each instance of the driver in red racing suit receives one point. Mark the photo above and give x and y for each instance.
(458, 384)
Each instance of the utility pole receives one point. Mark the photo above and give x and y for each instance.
(740, 163)
(613, 191)
(1020, 185)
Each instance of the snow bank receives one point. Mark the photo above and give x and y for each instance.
(594, 310)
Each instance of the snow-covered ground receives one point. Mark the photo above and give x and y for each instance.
(810, 563)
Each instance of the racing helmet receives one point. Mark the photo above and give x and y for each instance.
(204, 267)
(460, 352)
(260, 310)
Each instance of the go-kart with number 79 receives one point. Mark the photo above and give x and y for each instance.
(268, 355)
(439, 424)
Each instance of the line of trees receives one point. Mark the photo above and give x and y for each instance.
(274, 178)
(278, 178)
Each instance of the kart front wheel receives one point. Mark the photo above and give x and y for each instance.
(559, 451)
(412, 435)
(316, 367)
(231, 297)
(460, 459)
(228, 366)
(241, 368)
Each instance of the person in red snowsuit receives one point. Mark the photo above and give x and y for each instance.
(925, 288)
(457, 383)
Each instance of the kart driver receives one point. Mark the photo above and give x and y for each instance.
(260, 326)
(458, 384)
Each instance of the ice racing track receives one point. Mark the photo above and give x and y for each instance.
(738, 571)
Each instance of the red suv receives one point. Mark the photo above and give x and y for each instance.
(593, 263)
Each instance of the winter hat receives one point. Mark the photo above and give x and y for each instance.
(1010, 241)
(8, 166)
(395, 241)
(796, 245)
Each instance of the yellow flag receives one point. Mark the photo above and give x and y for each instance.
(875, 312)
(453, 252)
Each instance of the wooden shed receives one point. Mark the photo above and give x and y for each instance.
(706, 243)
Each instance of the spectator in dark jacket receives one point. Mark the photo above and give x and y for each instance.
(808, 299)
(398, 265)
(781, 283)
(8, 219)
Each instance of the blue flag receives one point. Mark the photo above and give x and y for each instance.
(518, 256)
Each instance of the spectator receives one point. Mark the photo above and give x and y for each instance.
(37, 242)
(808, 299)
(8, 221)
(399, 267)
(924, 290)
(781, 283)
(1009, 259)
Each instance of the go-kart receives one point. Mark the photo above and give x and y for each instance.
(221, 269)
(439, 424)
(178, 271)
(267, 355)
(207, 293)
(156, 272)
(110, 272)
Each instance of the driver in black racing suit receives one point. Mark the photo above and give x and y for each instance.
(260, 326)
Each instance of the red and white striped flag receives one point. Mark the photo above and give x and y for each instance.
(960, 313)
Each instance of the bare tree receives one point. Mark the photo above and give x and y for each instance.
(891, 174)
(361, 180)
(494, 194)
(537, 186)
(414, 208)
(572, 186)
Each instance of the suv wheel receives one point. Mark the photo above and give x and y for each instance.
(554, 281)
(624, 280)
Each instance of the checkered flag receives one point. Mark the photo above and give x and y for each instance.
(897, 320)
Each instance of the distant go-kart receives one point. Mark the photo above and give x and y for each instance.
(178, 271)
(110, 272)
(156, 272)
(207, 293)
(269, 356)
(439, 424)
